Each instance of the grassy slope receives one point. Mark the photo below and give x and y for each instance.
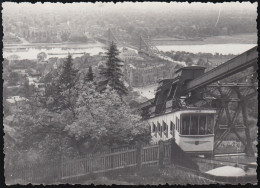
(149, 175)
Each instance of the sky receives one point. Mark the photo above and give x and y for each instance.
(9, 6)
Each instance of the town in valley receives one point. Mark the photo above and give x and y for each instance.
(130, 93)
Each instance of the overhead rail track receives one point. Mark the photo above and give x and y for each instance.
(235, 65)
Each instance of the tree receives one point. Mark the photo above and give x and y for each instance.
(65, 36)
(68, 76)
(5, 63)
(103, 120)
(201, 62)
(62, 93)
(13, 78)
(40, 134)
(112, 72)
(78, 38)
(41, 56)
(26, 88)
(90, 75)
(189, 61)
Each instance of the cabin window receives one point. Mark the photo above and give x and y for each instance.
(210, 123)
(178, 124)
(159, 129)
(186, 125)
(156, 130)
(197, 124)
(153, 128)
(165, 129)
(202, 124)
(172, 127)
(194, 126)
(164, 126)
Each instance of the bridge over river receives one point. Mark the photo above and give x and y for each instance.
(145, 46)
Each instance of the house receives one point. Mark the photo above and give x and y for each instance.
(34, 77)
(143, 75)
(127, 54)
(16, 102)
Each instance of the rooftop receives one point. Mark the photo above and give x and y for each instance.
(15, 99)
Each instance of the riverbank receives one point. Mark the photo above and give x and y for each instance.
(227, 39)
(224, 49)
(53, 45)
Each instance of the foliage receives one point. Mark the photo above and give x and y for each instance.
(112, 72)
(90, 75)
(41, 56)
(188, 61)
(71, 119)
(102, 120)
(27, 90)
(40, 133)
(13, 78)
(201, 62)
(65, 36)
(78, 38)
(62, 93)
(109, 120)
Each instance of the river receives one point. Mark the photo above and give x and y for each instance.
(62, 50)
(52, 50)
(224, 49)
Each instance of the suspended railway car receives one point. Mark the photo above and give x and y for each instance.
(179, 109)
(191, 128)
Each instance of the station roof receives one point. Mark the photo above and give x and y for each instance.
(227, 171)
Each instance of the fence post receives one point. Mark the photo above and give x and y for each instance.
(161, 153)
(112, 158)
(139, 156)
(172, 151)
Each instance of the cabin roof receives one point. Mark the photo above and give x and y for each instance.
(166, 80)
(195, 109)
(190, 68)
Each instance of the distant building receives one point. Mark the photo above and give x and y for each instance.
(34, 77)
(127, 54)
(147, 75)
(16, 102)
(55, 66)
(8, 119)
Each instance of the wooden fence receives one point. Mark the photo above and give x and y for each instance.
(118, 158)
(46, 173)
(137, 157)
(161, 154)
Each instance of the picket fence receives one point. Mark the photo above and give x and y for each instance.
(160, 154)
(58, 172)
